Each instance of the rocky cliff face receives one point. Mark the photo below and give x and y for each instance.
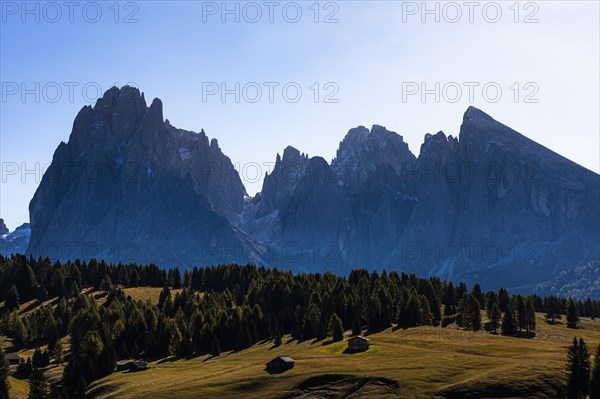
(128, 186)
(3, 228)
(489, 206)
(498, 208)
(14, 242)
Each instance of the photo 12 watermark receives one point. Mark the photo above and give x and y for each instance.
(270, 92)
(471, 92)
(253, 12)
(453, 12)
(55, 92)
(53, 12)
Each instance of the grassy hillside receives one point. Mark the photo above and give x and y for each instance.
(423, 362)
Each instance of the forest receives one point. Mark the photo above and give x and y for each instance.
(232, 307)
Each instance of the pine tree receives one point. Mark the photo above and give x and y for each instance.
(4, 373)
(578, 368)
(335, 329)
(572, 314)
(58, 351)
(573, 369)
(426, 314)
(176, 279)
(503, 299)
(476, 292)
(166, 292)
(11, 299)
(106, 284)
(585, 366)
(530, 316)
(38, 387)
(175, 342)
(508, 321)
(312, 322)
(37, 359)
(411, 314)
(215, 349)
(552, 309)
(356, 324)
(277, 338)
(491, 299)
(494, 316)
(595, 378)
(521, 313)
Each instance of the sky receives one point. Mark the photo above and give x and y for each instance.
(260, 76)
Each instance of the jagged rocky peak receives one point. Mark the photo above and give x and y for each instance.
(279, 185)
(363, 152)
(3, 228)
(144, 169)
(437, 147)
(480, 133)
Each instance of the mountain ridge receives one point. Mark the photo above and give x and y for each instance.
(374, 205)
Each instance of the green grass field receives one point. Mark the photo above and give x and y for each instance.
(424, 362)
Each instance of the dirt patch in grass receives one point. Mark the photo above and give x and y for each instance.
(531, 389)
(99, 390)
(344, 386)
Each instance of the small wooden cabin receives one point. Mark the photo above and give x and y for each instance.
(280, 364)
(122, 365)
(138, 365)
(135, 365)
(13, 358)
(358, 344)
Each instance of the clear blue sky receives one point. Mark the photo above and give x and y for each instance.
(372, 56)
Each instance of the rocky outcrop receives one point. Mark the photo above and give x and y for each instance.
(128, 186)
(14, 242)
(3, 228)
(497, 208)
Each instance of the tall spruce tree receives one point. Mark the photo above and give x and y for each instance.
(508, 321)
(578, 368)
(335, 329)
(215, 349)
(530, 316)
(356, 324)
(503, 299)
(4, 372)
(595, 379)
(494, 316)
(572, 314)
(12, 299)
(38, 386)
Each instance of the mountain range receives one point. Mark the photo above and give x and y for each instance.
(489, 206)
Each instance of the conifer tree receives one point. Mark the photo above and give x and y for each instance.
(503, 299)
(595, 378)
(578, 368)
(494, 316)
(335, 329)
(572, 314)
(12, 299)
(4, 373)
(38, 387)
(530, 316)
(356, 324)
(215, 349)
(508, 321)
(58, 351)
(552, 309)
(175, 342)
(277, 338)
